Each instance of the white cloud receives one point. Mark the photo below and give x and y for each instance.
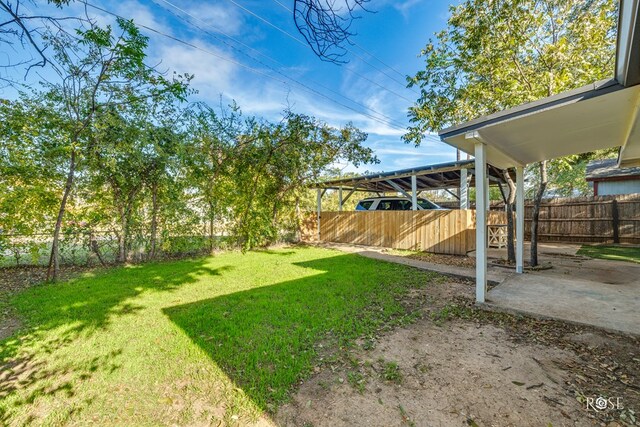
(212, 75)
(404, 7)
(140, 14)
(217, 17)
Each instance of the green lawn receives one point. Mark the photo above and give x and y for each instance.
(191, 342)
(617, 253)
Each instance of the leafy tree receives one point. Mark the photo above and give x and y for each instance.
(278, 164)
(104, 70)
(28, 173)
(214, 140)
(498, 54)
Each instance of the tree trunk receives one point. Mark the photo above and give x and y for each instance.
(211, 227)
(93, 245)
(298, 220)
(122, 238)
(511, 250)
(54, 259)
(154, 220)
(536, 213)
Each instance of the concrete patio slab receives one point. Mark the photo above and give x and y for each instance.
(604, 294)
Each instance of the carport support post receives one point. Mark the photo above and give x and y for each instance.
(481, 219)
(319, 204)
(464, 189)
(414, 193)
(519, 219)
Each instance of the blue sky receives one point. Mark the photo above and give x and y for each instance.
(243, 58)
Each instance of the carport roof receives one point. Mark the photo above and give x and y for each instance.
(429, 177)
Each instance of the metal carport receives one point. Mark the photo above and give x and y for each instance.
(410, 182)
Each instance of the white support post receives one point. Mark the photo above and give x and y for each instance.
(481, 220)
(487, 195)
(319, 204)
(464, 189)
(414, 193)
(340, 199)
(519, 219)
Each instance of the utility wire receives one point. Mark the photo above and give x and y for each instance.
(385, 117)
(291, 36)
(254, 70)
(403, 84)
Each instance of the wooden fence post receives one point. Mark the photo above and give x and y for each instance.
(616, 221)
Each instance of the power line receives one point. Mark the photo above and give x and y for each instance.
(403, 84)
(291, 36)
(254, 70)
(385, 117)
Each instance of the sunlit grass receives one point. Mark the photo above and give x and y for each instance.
(616, 253)
(195, 341)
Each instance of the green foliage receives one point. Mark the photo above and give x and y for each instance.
(498, 54)
(391, 372)
(567, 175)
(494, 55)
(451, 311)
(357, 380)
(112, 147)
(277, 163)
(29, 174)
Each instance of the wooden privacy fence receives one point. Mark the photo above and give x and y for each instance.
(598, 219)
(447, 231)
(595, 219)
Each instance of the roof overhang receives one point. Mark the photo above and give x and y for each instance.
(628, 40)
(597, 116)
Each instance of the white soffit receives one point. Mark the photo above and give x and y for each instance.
(577, 126)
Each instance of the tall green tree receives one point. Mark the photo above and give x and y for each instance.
(214, 139)
(496, 54)
(30, 145)
(106, 69)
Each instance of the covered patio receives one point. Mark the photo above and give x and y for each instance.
(597, 116)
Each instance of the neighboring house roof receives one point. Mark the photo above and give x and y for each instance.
(598, 170)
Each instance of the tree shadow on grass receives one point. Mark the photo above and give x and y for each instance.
(274, 252)
(56, 315)
(267, 339)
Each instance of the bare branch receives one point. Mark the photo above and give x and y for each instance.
(326, 24)
(33, 31)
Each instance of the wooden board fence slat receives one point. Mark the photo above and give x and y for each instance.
(449, 232)
(588, 219)
(578, 220)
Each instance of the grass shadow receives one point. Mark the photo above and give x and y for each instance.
(274, 252)
(267, 339)
(56, 314)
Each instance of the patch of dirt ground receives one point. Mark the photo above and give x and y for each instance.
(461, 366)
(454, 260)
